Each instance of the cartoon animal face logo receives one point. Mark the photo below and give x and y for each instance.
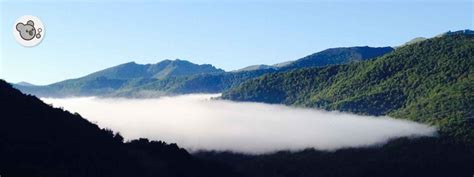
(28, 31)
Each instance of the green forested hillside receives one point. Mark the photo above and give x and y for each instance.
(430, 81)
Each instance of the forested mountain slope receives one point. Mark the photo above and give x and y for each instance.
(430, 81)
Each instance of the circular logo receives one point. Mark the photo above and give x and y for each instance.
(28, 30)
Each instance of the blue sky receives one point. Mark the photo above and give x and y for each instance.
(85, 36)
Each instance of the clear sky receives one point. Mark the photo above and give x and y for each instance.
(86, 36)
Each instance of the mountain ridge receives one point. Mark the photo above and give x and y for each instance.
(181, 76)
(121, 76)
(215, 83)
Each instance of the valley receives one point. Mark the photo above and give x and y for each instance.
(351, 111)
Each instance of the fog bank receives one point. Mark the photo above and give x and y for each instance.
(195, 122)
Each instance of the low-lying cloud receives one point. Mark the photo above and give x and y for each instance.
(196, 122)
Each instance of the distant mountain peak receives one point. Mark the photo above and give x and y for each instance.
(23, 83)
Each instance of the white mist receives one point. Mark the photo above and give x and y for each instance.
(195, 122)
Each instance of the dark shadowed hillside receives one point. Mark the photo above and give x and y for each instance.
(430, 157)
(37, 140)
(430, 81)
